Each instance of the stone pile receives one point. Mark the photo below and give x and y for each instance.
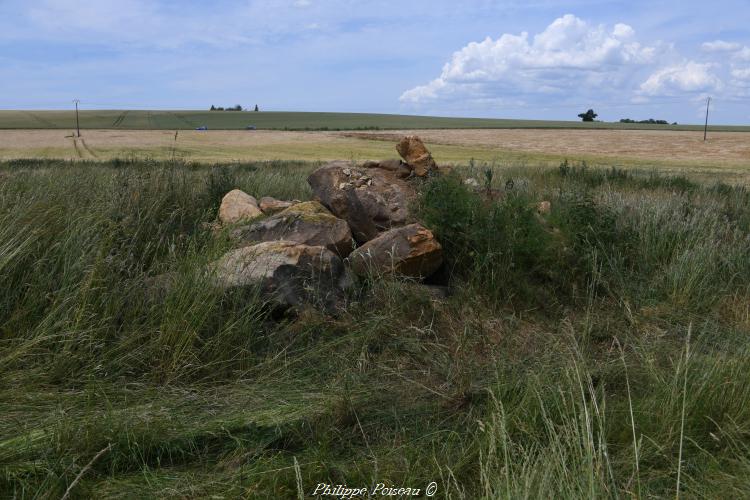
(358, 223)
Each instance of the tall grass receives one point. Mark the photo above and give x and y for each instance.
(557, 368)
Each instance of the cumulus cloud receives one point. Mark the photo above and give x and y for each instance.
(689, 76)
(743, 54)
(720, 46)
(568, 54)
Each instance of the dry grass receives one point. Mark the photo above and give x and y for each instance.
(723, 148)
(725, 153)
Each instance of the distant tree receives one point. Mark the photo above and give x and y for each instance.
(256, 108)
(650, 121)
(588, 116)
(213, 108)
(219, 109)
(237, 107)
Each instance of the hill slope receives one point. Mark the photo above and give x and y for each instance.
(233, 120)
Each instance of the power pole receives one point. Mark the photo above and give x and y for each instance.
(705, 127)
(78, 128)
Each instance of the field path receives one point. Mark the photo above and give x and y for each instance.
(82, 150)
(118, 121)
(86, 148)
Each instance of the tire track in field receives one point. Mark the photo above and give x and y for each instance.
(184, 120)
(83, 151)
(88, 149)
(75, 146)
(121, 118)
(43, 121)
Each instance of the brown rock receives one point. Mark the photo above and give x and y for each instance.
(238, 205)
(400, 168)
(287, 272)
(308, 223)
(408, 251)
(413, 151)
(369, 200)
(271, 205)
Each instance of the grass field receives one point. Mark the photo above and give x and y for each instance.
(188, 120)
(601, 352)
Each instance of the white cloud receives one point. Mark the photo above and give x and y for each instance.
(568, 55)
(689, 76)
(741, 73)
(720, 46)
(743, 55)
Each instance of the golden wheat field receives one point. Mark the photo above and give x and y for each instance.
(725, 153)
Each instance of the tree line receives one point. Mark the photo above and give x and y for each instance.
(236, 107)
(590, 115)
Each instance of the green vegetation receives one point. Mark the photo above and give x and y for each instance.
(588, 116)
(582, 354)
(171, 120)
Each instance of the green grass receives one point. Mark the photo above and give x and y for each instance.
(581, 354)
(225, 120)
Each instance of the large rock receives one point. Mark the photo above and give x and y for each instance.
(408, 251)
(290, 274)
(237, 205)
(398, 167)
(413, 151)
(270, 205)
(308, 223)
(371, 200)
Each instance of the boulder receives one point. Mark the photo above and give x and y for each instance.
(472, 183)
(289, 273)
(308, 223)
(271, 205)
(415, 154)
(408, 251)
(237, 205)
(400, 168)
(543, 208)
(370, 200)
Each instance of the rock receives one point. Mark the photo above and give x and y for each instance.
(238, 205)
(287, 272)
(543, 207)
(308, 223)
(408, 251)
(413, 151)
(271, 205)
(370, 200)
(472, 183)
(400, 168)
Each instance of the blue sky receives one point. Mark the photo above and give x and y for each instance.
(540, 59)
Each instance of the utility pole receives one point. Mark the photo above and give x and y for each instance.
(705, 127)
(78, 128)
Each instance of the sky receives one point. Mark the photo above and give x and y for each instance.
(532, 59)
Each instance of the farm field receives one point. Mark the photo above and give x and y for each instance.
(725, 153)
(232, 120)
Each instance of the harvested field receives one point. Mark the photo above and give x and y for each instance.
(669, 146)
(726, 153)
